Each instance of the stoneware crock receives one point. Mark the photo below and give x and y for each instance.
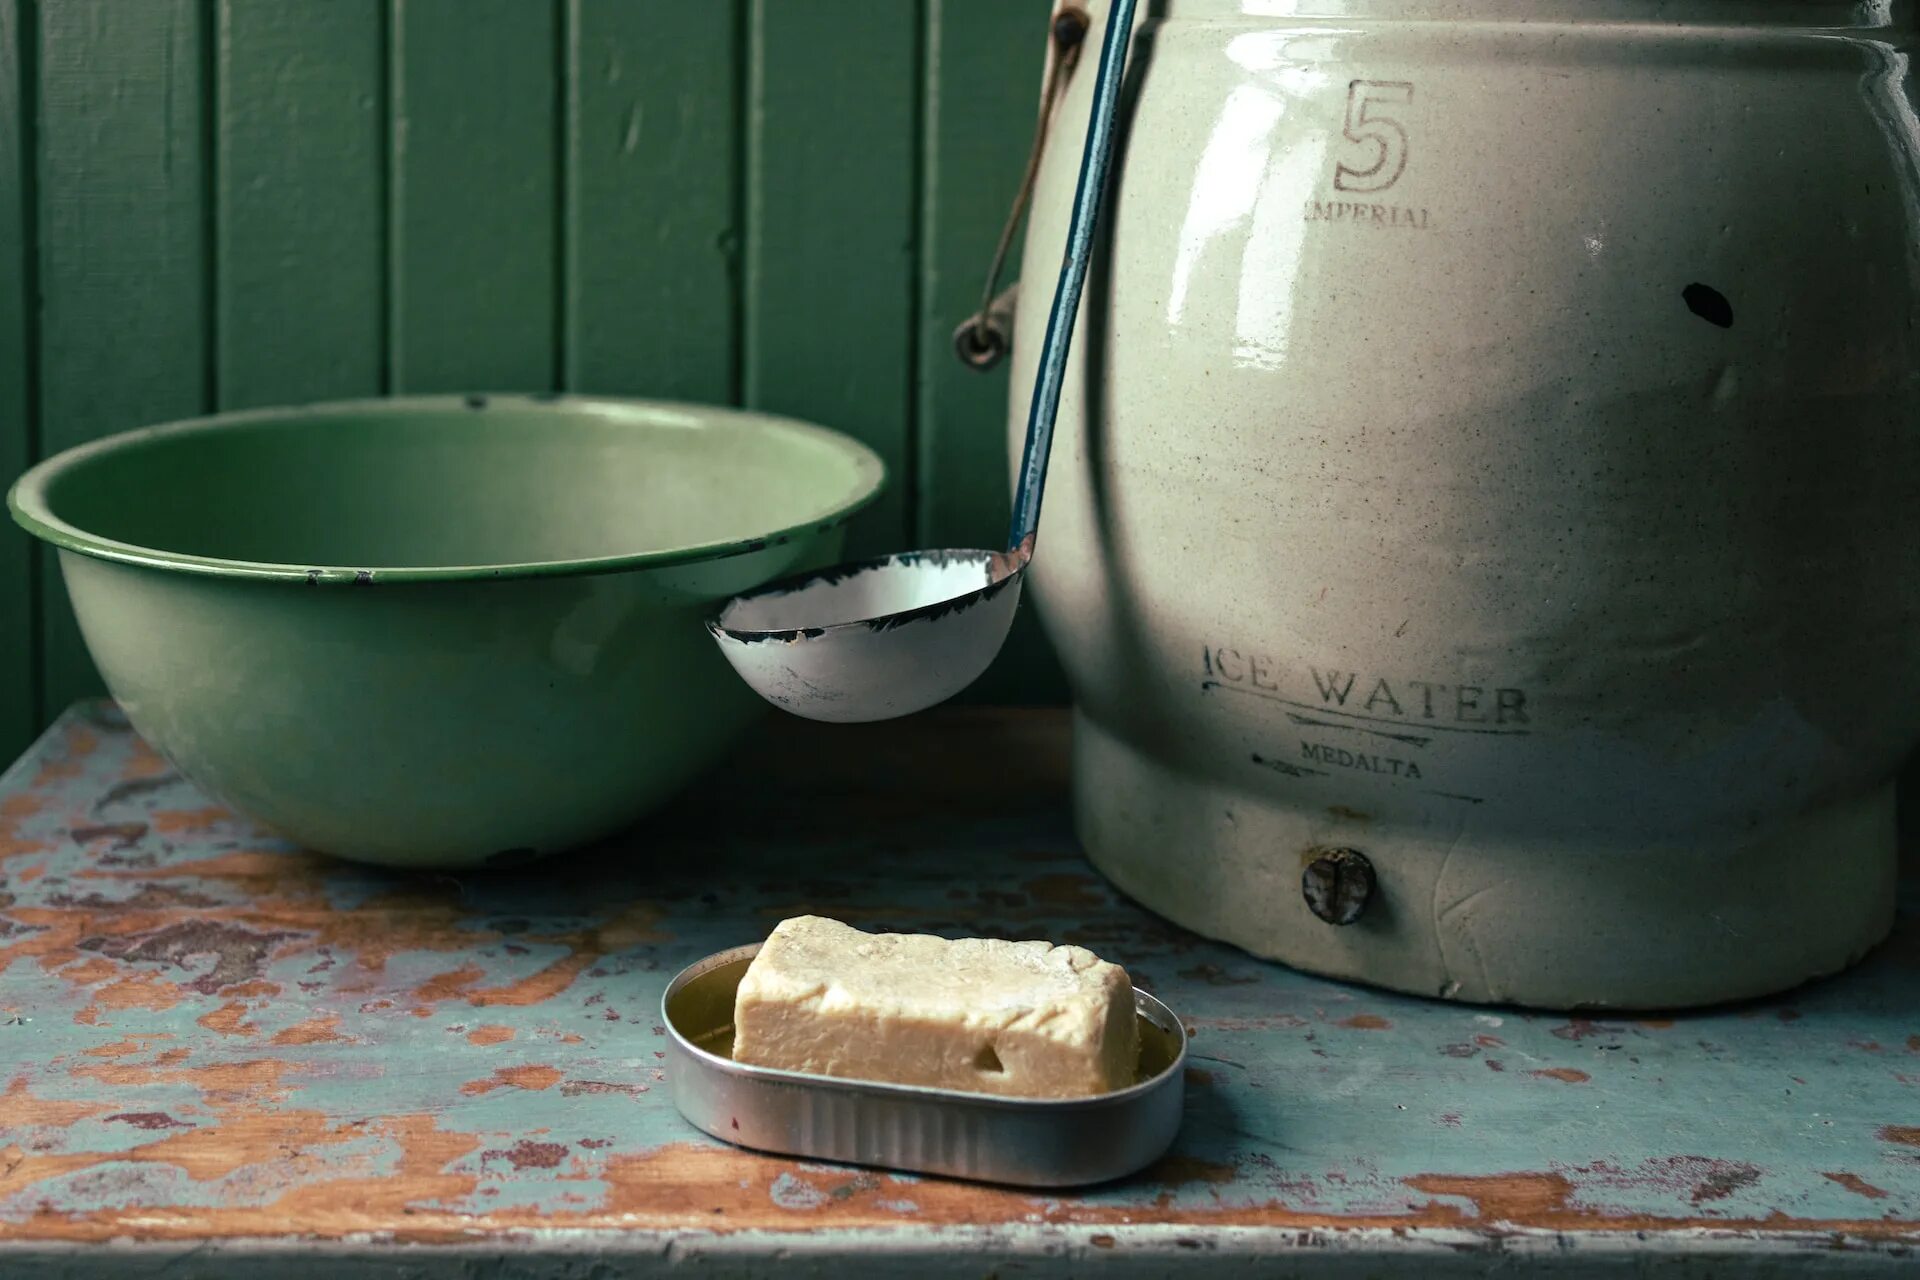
(1482, 537)
(439, 631)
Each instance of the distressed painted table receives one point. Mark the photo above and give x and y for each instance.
(215, 1050)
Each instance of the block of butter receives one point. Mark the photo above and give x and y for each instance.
(1023, 1019)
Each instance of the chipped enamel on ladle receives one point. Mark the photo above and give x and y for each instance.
(882, 638)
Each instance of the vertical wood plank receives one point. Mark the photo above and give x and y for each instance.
(474, 189)
(652, 235)
(831, 125)
(299, 206)
(981, 81)
(18, 622)
(123, 237)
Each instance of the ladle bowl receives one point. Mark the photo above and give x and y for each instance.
(876, 638)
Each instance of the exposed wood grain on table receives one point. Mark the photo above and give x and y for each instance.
(206, 1035)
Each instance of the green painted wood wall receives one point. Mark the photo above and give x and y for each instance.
(213, 204)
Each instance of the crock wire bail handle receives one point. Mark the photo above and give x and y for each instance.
(1089, 192)
(984, 338)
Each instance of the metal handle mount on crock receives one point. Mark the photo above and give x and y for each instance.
(984, 338)
(883, 638)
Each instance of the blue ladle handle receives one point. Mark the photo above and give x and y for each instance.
(1088, 196)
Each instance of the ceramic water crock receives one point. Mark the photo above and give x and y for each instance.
(1482, 534)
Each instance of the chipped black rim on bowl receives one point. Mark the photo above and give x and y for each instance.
(1008, 566)
(27, 499)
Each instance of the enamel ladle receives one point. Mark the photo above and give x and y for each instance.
(882, 638)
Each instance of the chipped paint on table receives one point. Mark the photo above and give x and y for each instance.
(213, 1044)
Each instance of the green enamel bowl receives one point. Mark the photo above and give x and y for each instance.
(438, 632)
